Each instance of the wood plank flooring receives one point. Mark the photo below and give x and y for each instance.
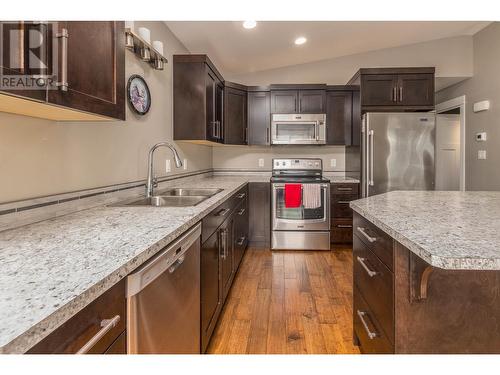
(288, 302)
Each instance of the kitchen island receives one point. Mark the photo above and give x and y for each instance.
(427, 272)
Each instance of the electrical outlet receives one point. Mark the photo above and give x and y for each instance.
(261, 163)
(333, 163)
(481, 154)
(167, 166)
(185, 164)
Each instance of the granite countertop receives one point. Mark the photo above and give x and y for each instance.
(448, 229)
(52, 269)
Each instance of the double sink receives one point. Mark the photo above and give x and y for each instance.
(175, 197)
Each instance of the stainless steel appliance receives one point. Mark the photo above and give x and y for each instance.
(299, 228)
(163, 300)
(398, 152)
(298, 129)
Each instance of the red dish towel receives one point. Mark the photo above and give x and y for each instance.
(293, 195)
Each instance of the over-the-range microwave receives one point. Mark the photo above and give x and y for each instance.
(298, 129)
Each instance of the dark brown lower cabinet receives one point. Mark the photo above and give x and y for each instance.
(341, 214)
(221, 255)
(73, 335)
(260, 214)
(119, 346)
(402, 304)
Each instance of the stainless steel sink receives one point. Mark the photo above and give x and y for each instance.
(176, 197)
(164, 201)
(181, 192)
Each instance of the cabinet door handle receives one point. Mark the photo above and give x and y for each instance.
(106, 326)
(343, 202)
(343, 226)
(241, 195)
(367, 269)
(241, 241)
(62, 83)
(242, 211)
(268, 131)
(394, 94)
(401, 93)
(223, 241)
(366, 235)
(223, 212)
(371, 335)
(344, 189)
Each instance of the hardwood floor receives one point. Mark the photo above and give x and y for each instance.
(288, 302)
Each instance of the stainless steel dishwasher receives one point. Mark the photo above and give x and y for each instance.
(163, 300)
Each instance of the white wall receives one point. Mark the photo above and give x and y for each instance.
(485, 85)
(452, 58)
(41, 157)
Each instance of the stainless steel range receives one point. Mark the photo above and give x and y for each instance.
(301, 223)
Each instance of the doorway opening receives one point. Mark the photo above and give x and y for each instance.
(450, 144)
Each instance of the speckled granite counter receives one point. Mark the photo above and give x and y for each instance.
(449, 230)
(52, 269)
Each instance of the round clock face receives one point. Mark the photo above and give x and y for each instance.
(138, 94)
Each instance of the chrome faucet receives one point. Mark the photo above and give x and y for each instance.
(150, 182)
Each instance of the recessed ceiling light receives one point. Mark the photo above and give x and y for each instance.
(249, 24)
(300, 40)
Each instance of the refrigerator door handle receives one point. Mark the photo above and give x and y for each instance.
(370, 145)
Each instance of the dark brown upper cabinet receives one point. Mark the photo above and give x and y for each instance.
(15, 54)
(284, 101)
(395, 89)
(312, 101)
(298, 98)
(339, 117)
(95, 66)
(379, 89)
(259, 118)
(198, 99)
(416, 89)
(90, 72)
(235, 114)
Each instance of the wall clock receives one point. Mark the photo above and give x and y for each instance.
(138, 94)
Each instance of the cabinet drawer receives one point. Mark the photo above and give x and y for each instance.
(375, 239)
(348, 188)
(105, 315)
(340, 205)
(367, 329)
(119, 346)
(376, 283)
(215, 218)
(341, 230)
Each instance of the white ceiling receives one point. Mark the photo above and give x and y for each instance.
(236, 50)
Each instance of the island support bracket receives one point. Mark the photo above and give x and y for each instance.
(420, 272)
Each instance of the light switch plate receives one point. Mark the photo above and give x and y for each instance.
(481, 154)
(185, 164)
(333, 163)
(167, 165)
(261, 162)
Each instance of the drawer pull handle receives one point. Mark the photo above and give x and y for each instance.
(344, 189)
(241, 241)
(107, 325)
(367, 269)
(371, 335)
(344, 226)
(367, 236)
(223, 212)
(241, 195)
(242, 211)
(343, 202)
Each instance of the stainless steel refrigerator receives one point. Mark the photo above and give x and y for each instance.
(397, 152)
